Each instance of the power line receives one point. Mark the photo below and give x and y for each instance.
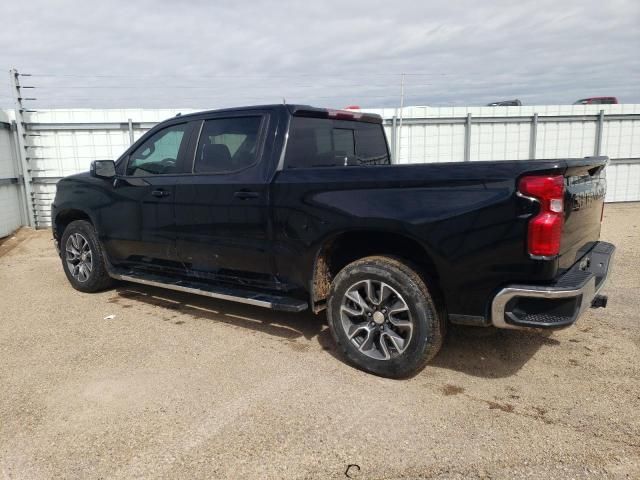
(137, 88)
(205, 87)
(339, 74)
(275, 96)
(230, 75)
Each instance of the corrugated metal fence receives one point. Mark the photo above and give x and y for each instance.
(12, 213)
(62, 142)
(459, 134)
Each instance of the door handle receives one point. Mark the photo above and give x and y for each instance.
(160, 193)
(246, 194)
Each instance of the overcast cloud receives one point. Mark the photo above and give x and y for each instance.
(209, 54)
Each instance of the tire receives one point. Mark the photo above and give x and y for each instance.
(80, 245)
(382, 341)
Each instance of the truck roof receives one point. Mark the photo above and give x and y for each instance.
(299, 110)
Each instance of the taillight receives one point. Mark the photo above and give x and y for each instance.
(545, 229)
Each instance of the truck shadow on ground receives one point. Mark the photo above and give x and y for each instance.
(489, 352)
(480, 352)
(175, 306)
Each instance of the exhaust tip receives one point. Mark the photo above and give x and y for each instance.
(599, 301)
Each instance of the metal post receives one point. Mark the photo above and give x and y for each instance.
(15, 155)
(130, 131)
(467, 138)
(533, 138)
(399, 135)
(394, 138)
(599, 128)
(14, 81)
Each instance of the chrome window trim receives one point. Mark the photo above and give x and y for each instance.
(280, 165)
(195, 147)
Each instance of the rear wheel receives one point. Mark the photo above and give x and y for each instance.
(82, 258)
(383, 317)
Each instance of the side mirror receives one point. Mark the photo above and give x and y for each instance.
(103, 168)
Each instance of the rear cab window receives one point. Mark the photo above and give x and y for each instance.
(325, 142)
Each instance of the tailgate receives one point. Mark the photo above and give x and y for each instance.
(585, 188)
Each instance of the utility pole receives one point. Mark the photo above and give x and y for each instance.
(21, 135)
(399, 135)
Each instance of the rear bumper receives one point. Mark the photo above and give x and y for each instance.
(557, 305)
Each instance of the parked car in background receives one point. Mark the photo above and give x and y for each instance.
(506, 103)
(597, 101)
(292, 207)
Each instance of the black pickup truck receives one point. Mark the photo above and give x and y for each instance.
(293, 207)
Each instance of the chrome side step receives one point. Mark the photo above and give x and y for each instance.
(221, 292)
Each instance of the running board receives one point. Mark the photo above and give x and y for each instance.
(222, 292)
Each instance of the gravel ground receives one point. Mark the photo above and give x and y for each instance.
(178, 386)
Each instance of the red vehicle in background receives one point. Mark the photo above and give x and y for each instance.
(597, 101)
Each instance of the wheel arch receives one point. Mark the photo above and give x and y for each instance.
(65, 216)
(343, 248)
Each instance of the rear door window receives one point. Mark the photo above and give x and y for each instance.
(228, 144)
(319, 142)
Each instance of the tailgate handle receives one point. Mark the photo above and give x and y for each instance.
(245, 194)
(160, 193)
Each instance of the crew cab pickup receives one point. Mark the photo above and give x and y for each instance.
(293, 207)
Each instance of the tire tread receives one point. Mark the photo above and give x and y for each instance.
(99, 279)
(437, 329)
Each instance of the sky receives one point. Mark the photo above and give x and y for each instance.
(212, 54)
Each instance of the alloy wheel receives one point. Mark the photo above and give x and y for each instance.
(79, 257)
(376, 319)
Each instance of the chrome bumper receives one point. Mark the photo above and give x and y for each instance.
(558, 305)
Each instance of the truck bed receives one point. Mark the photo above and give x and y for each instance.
(466, 216)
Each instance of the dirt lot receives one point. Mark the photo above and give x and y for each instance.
(178, 386)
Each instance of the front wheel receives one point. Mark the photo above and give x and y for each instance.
(383, 318)
(82, 258)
